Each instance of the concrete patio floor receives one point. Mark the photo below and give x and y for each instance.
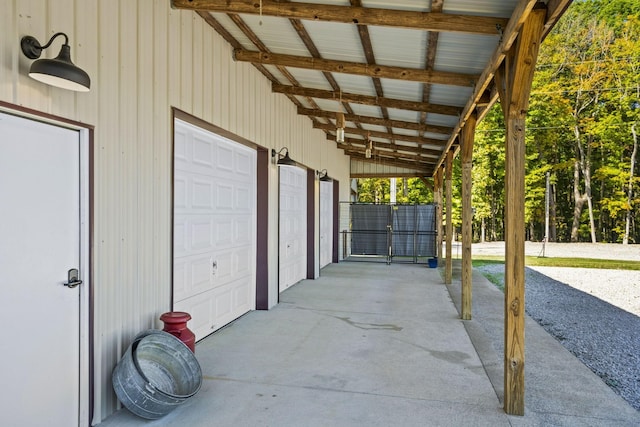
(371, 344)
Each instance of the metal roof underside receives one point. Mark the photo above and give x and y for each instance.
(406, 74)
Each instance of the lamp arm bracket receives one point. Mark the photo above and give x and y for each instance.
(31, 46)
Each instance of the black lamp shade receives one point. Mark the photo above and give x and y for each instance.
(61, 72)
(286, 160)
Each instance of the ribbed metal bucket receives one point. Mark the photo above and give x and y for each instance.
(157, 373)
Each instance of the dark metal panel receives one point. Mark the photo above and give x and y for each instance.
(262, 229)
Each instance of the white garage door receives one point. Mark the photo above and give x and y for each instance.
(293, 226)
(326, 223)
(214, 228)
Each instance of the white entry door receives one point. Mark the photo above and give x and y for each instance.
(326, 222)
(39, 242)
(214, 237)
(293, 226)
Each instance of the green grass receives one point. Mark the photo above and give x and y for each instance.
(498, 278)
(563, 262)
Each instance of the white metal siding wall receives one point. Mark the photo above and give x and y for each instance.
(144, 58)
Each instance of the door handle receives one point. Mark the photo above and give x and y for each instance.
(72, 279)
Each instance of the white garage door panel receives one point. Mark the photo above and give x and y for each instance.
(213, 309)
(193, 234)
(214, 228)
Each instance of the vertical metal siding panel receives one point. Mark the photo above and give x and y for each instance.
(216, 75)
(32, 20)
(86, 54)
(207, 76)
(162, 158)
(246, 99)
(60, 19)
(267, 111)
(9, 51)
(198, 51)
(225, 83)
(266, 128)
(174, 45)
(256, 97)
(146, 199)
(185, 54)
(108, 171)
(232, 96)
(129, 207)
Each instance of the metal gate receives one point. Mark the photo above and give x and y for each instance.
(395, 233)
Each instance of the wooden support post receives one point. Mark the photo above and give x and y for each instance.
(437, 199)
(448, 267)
(513, 80)
(468, 133)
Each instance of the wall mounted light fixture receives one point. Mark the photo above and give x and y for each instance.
(283, 160)
(324, 176)
(58, 71)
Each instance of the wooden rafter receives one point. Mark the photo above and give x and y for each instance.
(385, 145)
(355, 98)
(351, 15)
(432, 47)
(367, 46)
(385, 135)
(418, 168)
(417, 161)
(378, 121)
(382, 71)
(313, 50)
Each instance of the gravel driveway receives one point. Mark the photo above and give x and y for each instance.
(595, 314)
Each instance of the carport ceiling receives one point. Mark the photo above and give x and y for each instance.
(406, 74)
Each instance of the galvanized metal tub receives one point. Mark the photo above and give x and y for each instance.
(157, 373)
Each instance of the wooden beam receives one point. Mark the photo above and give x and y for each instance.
(385, 135)
(430, 59)
(427, 183)
(389, 155)
(419, 169)
(394, 147)
(381, 71)
(400, 104)
(386, 175)
(516, 78)
(467, 215)
(351, 15)
(448, 267)
(378, 121)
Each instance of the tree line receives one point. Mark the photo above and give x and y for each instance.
(581, 137)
